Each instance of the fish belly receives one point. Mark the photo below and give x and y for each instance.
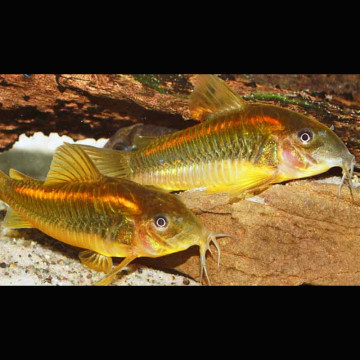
(213, 177)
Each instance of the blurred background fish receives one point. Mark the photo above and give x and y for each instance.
(134, 137)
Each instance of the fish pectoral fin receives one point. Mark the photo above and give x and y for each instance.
(212, 95)
(71, 164)
(96, 261)
(113, 163)
(13, 220)
(250, 181)
(250, 184)
(109, 277)
(159, 189)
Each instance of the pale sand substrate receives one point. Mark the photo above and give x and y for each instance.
(29, 262)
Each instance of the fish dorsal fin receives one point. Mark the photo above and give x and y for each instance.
(212, 95)
(13, 220)
(113, 163)
(71, 164)
(17, 175)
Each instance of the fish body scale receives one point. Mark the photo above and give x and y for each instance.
(78, 214)
(210, 153)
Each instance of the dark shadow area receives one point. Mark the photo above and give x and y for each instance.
(170, 262)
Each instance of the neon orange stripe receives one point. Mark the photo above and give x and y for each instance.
(267, 119)
(59, 195)
(255, 120)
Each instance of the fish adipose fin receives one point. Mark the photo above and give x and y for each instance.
(113, 163)
(17, 175)
(15, 221)
(71, 164)
(212, 95)
(96, 261)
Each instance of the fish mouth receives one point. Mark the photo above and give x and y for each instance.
(348, 167)
(204, 247)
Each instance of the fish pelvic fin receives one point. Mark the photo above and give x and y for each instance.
(113, 163)
(13, 220)
(71, 164)
(96, 261)
(111, 275)
(212, 95)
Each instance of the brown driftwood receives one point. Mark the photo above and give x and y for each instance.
(298, 233)
(81, 105)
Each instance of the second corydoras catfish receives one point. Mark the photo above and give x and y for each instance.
(104, 216)
(238, 147)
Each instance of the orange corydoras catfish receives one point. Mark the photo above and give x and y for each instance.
(107, 217)
(238, 147)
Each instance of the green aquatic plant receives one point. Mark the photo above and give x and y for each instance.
(285, 99)
(150, 80)
(160, 82)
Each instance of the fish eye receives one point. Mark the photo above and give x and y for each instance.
(161, 222)
(305, 136)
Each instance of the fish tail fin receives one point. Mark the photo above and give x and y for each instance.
(13, 220)
(3, 180)
(109, 162)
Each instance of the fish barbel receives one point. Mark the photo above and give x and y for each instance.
(238, 147)
(106, 217)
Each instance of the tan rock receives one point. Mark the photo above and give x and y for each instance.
(298, 233)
